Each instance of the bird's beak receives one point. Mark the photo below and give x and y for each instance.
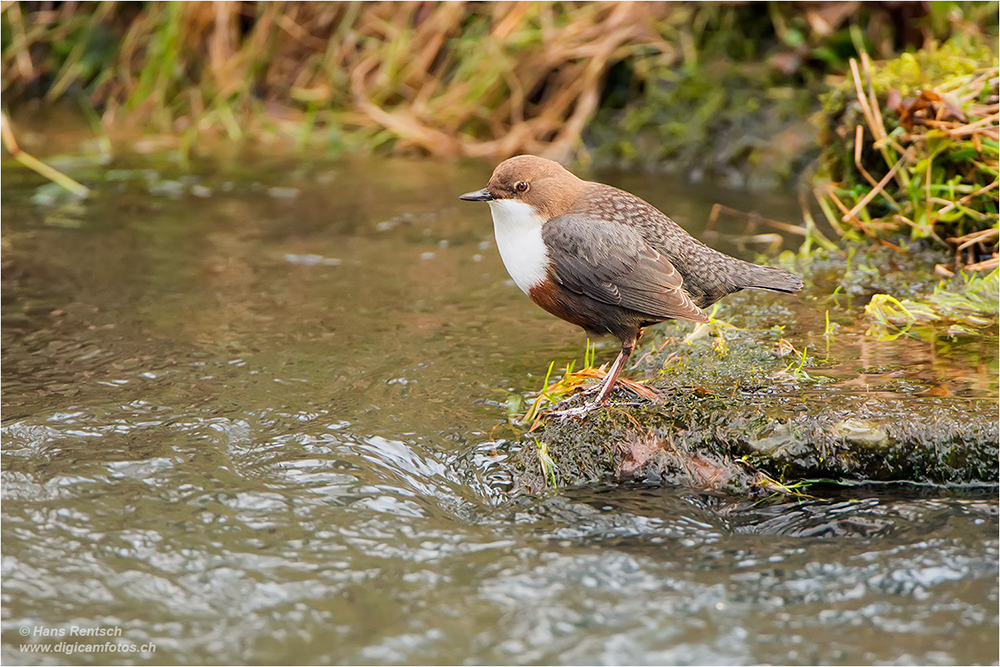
(478, 195)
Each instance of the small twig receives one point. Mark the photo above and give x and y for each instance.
(974, 237)
(985, 265)
(752, 218)
(895, 247)
(983, 125)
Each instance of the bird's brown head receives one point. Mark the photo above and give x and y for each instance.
(543, 184)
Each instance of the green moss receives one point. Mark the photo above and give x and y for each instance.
(716, 116)
(927, 68)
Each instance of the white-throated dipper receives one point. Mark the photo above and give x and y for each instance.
(605, 260)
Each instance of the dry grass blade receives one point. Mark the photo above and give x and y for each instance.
(985, 265)
(940, 152)
(986, 235)
(807, 231)
(33, 163)
(450, 79)
(859, 134)
(829, 191)
(22, 55)
(851, 215)
(981, 191)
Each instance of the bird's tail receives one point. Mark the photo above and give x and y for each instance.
(770, 278)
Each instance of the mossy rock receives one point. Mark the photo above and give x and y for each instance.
(742, 411)
(708, 442)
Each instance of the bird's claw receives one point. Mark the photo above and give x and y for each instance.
(581, 411)
(560, 407)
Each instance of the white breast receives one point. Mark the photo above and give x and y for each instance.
(519, 238)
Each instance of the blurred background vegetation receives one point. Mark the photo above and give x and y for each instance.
(886, 110)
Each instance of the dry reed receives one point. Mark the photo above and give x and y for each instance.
(940, 150)
(443, 78)
(449, 79)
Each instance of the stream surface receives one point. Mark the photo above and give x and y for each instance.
(258, 415)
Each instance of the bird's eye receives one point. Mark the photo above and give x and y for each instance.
(522, 186)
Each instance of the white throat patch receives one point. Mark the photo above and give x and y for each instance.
(518, 229)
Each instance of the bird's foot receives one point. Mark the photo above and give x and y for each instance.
(581, 411)
(562, 409)
(586, 393)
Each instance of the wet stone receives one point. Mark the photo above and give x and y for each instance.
(860, 433)
(783, 441)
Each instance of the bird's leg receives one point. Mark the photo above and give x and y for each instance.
(612, 374)
(604, 387)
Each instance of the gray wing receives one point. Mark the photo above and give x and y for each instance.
(610, 262)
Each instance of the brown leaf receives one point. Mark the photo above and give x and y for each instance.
(894, 100)
(953, 107)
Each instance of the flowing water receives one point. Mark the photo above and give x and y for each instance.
(259, 416)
